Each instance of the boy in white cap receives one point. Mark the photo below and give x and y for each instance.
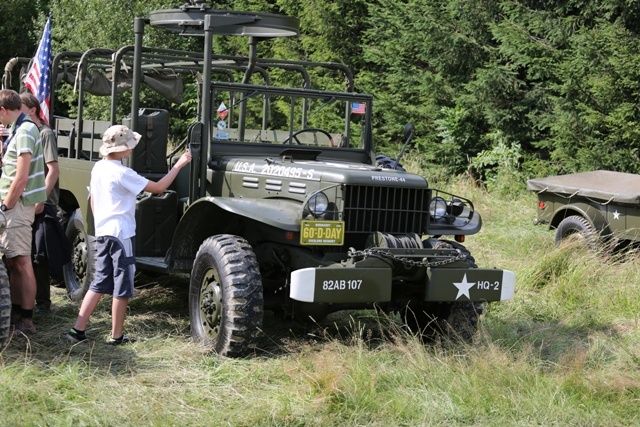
(113, 189)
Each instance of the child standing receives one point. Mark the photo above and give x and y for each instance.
(113, 189)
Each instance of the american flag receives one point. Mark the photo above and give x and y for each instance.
(358, 107)
(39, 75)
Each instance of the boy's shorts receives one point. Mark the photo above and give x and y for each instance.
(17, 237)
(115, 267)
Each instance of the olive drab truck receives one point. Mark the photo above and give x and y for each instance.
(601, 207)
(284, 206)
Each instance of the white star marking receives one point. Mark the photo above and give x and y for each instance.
(616, 214)
(463, 287)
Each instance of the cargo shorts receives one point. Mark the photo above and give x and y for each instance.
(115, 267)
(16, 239)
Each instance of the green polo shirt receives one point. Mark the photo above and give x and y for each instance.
(24, 139)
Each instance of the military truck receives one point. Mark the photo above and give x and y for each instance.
(600, 207)
(284, 206)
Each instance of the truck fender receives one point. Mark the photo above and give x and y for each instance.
(593, 215)
(209, 216)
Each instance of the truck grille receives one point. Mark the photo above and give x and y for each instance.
(386, 209)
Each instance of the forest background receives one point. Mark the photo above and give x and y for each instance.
(494, 87)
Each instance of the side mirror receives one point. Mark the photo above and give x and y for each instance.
(409, 130)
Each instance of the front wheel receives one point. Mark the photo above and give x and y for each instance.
(78, 273)
(226, 304)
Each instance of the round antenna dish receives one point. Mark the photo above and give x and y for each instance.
(189, 20)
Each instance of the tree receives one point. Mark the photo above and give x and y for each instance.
(419, 57)
(16, 42)
(574, 85)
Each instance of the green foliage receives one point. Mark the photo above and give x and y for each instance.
(188, 109)
(499, 167)
(596, 125)
(560, 79)
(419, 57)
(21, 24)
(458, 139)
(79, 26)
(19, 39)
(574, 79)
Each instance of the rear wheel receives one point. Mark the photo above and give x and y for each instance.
(5, 306)
(576, 226)
(456, 320)
(78, 274)
(226, 304)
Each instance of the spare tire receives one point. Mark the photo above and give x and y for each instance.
(387, 162)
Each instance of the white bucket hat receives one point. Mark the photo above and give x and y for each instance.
(118, 138)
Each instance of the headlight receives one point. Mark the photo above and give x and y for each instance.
(438, 208)
(318, 204)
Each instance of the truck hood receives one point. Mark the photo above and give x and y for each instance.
(324, 171)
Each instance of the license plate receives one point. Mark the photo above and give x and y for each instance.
(322, 233)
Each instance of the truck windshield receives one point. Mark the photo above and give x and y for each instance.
(301, 118)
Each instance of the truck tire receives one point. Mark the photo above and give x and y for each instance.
(226, 303)
(576, 226)
(387, 162)
(78, 274)
(456, 320)
(5, 306)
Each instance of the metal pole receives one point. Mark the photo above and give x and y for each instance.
(206, 103)
(138, 29)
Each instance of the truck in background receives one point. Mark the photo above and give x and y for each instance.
(600, 207)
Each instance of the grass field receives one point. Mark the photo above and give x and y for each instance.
(564, 352)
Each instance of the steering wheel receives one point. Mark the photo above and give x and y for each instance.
(314, 130)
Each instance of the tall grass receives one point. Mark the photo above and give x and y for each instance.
(565, 351)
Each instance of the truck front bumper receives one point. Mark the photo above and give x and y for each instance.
(348, 284)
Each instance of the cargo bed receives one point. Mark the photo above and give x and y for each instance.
(601, 185)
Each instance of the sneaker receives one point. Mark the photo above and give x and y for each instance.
(119, 341)
(76, 337)
(26, 326)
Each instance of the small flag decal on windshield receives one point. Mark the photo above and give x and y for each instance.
(358, 107)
